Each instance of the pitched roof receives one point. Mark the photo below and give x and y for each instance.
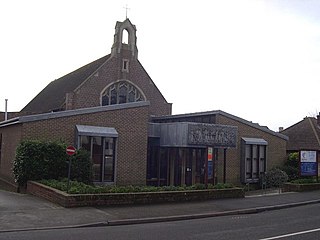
(52, 97)
(303, 135)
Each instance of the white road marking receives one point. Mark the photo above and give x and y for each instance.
(291, 234)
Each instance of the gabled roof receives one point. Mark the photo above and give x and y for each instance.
(303, 135)
(52, 97)
(228, 115)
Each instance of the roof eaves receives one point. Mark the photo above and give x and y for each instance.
(9, 122)
(46, 116)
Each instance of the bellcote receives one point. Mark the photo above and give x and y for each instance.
(122, 30)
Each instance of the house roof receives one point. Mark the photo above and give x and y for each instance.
(303, 135)
(52, 97)
(217, 112)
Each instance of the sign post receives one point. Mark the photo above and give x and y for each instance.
(70, 150)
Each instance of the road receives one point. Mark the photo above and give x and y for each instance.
(293, 223)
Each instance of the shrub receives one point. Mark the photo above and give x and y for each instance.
(276, 177)
(81, 166)
(291, 166)
(305, 180)
(39, 160)
(223, 186)
(81, 188)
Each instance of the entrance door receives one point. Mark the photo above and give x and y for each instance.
(102, 151)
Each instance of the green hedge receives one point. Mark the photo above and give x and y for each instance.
(81, 188)
(37, 160)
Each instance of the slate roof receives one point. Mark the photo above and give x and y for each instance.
(52, 97)
(303, 135)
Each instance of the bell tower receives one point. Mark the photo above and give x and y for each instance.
(120, 45)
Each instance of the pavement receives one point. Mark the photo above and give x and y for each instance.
(23, 212)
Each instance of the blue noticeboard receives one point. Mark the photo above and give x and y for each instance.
(308, 169)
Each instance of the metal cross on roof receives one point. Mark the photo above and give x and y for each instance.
(126, 7)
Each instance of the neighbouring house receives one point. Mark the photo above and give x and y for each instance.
(112, 108)
(304, 135)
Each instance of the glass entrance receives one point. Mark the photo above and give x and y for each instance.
(176, 166)
(102, 151)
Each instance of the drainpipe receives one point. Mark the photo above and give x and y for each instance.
(6, 110)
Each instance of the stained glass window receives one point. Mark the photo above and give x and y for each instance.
(121, 92)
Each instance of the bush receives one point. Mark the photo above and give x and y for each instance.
(305, 180)
(37, 160)
(81, 166)
(291, 166)
(276, 177)
(81, 188)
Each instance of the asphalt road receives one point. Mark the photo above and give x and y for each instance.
(293, 223)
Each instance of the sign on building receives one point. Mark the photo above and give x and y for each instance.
(212, 135)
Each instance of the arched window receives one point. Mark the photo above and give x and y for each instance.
(121, 92)
(125, 36)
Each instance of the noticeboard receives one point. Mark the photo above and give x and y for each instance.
(308, 163)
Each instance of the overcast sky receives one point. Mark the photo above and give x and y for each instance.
(258, 60)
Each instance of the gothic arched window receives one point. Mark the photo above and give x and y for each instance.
(121, 92)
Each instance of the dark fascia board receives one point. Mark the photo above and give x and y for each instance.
(46, 116)
(217, 112)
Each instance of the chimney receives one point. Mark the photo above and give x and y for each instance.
(280, 129)
(318, 119)
(6, 110)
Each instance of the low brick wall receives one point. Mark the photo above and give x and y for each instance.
(292, 187)
(109, 199)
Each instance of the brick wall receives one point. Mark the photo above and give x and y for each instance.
(130, 123)
(88, 94)
(78, 200)
(11, 136)
(276, 149)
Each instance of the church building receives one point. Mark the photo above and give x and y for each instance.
(112, 108)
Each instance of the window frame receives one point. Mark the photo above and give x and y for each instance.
(251, 172)
(110, 95)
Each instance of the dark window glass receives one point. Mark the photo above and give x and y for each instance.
(113, 96)
(105, 100)
(121, 92)
(255, 161)
(109, 153)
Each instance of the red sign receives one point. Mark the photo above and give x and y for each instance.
(71, 150)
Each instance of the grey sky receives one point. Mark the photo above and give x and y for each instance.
(258, 60)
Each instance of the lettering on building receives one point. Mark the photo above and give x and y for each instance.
(212, 135)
